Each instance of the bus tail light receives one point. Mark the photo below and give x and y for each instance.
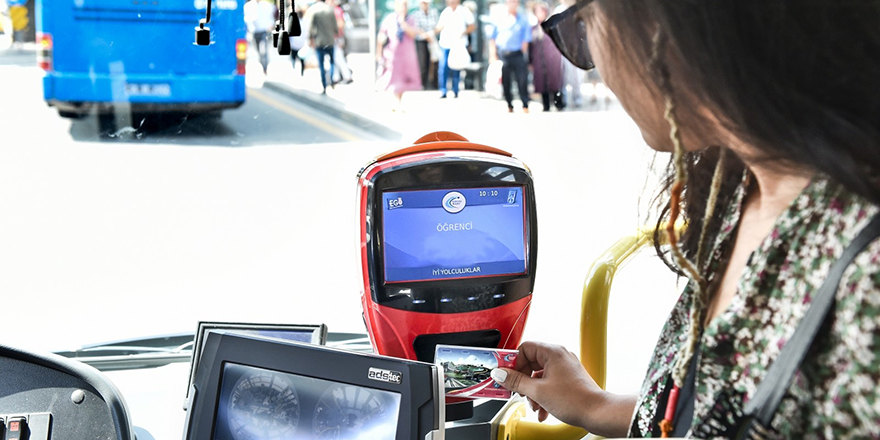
(44, 56)
(240, 55)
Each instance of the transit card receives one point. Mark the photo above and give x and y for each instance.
(466, 370)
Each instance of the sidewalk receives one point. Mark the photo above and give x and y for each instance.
(7, 47)
(361, 105)
(355, 103)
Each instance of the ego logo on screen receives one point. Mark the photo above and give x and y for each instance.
(381, 375)
(454, 202)
(395, 203)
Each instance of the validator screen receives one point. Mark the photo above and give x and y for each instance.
(454, 233)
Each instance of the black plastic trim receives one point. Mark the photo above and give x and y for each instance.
(437, 174)
(415, 388)
(108, 392)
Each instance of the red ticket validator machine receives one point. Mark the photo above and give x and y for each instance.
(448, 246)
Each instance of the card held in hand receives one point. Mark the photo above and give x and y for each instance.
(467, 370)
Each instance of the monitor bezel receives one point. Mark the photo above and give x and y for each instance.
(460, 173)
(318, 332)
(421, 413)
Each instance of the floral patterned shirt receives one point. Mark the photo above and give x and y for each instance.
(835, 394)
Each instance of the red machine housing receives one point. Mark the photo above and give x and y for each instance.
(408, 320)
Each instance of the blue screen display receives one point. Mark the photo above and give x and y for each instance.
(454, 233)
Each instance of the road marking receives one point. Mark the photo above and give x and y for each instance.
(305, 117)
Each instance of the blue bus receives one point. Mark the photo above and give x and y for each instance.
(102, 54)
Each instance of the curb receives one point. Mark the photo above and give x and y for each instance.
(336, 111)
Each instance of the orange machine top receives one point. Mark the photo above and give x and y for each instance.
(441, 140)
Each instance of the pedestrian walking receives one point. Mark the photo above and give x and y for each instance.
(572, 77)
(546, 61)
(259, 15)
(425, 18)
(454, 24)
(5, 23)
(397, 49)
(299, 42)
(323, 29)
(511, 38)
(340, 62)
(471, 78)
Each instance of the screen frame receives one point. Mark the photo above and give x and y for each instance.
(446, 172)
(422, 406)
(318, 337)
(525, 235)
(227, 366)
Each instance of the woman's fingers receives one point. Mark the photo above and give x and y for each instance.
(532, 404)
(542, 414)
(514, 381)
(533, 356)
(535, 405)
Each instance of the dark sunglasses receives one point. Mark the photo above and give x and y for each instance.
(569, 34)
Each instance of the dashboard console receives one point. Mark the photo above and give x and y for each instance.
(44, 396)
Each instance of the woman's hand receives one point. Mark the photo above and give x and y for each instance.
(555, 382)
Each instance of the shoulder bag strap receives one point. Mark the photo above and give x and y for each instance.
(763, 405)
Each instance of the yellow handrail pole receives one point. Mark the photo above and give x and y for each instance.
(594, 304)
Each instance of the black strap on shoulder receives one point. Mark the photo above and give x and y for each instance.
(763, 405)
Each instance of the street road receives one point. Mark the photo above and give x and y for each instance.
(109, 234)
(266, 118)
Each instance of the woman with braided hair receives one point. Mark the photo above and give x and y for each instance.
(771, 112)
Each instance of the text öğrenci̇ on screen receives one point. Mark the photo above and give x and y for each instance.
(453, 233)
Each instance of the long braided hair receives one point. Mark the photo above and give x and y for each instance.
(692, 269)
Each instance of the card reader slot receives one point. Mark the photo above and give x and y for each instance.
(425, 345)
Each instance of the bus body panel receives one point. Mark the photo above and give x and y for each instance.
(142, 52)
(164, 89)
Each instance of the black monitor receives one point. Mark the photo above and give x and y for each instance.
(310, 334)
(252, 388)
(463, 226)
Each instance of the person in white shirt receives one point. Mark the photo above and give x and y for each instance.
(454, 24)
(259, 15)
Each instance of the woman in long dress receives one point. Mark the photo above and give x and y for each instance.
(546, 61)
(397, 52)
